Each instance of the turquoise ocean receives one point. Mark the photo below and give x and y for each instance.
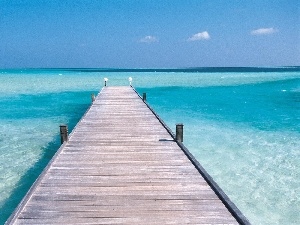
(242, 125)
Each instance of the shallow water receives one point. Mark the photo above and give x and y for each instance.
(243, 127)
(247, 137)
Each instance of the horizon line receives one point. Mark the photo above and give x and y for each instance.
(179, 69)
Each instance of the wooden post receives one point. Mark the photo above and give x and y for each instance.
(179, 132)
(93, 97)
(144, 97)
(63, 133)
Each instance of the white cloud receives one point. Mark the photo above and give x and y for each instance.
(200, 36)
(264, 31)
(149, 39)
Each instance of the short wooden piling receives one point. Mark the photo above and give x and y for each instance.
(144, 97)
(179, 132)
(63, 133)
(93, 97)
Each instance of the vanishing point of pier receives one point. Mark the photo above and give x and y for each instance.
(122, 165)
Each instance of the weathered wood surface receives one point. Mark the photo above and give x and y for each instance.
(121, 166)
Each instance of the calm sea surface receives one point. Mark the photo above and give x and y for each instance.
(243, 126)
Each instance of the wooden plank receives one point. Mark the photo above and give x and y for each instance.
(121, 166)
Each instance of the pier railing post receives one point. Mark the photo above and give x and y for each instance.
(179, 132)
(144, 97)
(130, 80)
(105, 81)
(63, 133)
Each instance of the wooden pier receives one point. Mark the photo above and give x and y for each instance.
(121, 165)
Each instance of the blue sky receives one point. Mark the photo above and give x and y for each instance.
(149, 33)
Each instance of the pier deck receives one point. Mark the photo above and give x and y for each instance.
(121, 166)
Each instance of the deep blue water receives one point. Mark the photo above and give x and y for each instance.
(270, 106)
